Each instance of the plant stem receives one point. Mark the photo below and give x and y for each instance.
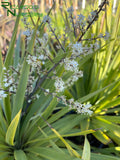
(96, 16)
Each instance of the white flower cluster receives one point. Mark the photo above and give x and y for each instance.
(70, 65)
(46, 19)
(9, 80)
(42, 48)
(80, 108)
(31, 80)
(27, 32)
(2, 94)
(106, 36)
(70, 10)
(77, 49)
(73, 105)
(36, 62)
(59, 84)
(43, 42)
(80, 22)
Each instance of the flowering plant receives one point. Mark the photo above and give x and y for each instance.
(33, 87)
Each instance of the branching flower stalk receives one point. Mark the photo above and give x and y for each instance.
(95, 18)
(73, 51)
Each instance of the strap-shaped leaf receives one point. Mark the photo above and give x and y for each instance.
(70, 149)
(20, 155)
(86, 150)
(9, 58)
(87, 97)
(10, 134)
(49, 153)
(20, 94)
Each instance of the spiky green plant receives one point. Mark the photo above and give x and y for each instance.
(33, 131)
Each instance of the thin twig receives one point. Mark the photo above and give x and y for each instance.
(73, 26)
(57, 38)
(96, 16)
(14, 70)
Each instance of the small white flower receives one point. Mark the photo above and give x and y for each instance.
(59, 85)
(80, 22)
(107, 36)
(27, 32)
(77, 49)
(4, 68)
(6, 84)
(81, 17)
(70, 10)
(46, 19)
(41, 57)
(11, 89)
(2, 94)
(5, 80)
(87, 105)
(29, 100)
(96, 46)
(71, 65)
(71, 100)
(47, 90)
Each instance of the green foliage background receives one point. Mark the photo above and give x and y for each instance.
(41, 133)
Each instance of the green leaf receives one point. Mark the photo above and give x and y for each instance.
(79, 133)
(20, 94)
(49, 153)
(90, 95)
(20, 155)
(50, 108)
(7, 107)
(110, 129)
(10, 134)
(35, 107)
(86, 150)
(109, 104)
(51, 142)
(4, 155)
(103, 157)
(17, 52)
(9, 58)
(70, 149)
(3, 122)
(102, 137)
(115, 119)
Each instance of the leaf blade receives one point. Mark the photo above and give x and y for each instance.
(10, 134)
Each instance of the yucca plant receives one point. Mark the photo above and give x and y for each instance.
(34, 115)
